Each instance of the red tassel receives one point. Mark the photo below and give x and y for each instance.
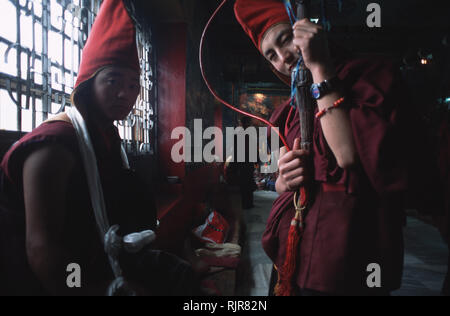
(303, 196)
(284, 285)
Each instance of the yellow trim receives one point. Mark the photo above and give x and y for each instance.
(61, 117)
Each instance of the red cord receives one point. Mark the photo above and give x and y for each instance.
(215, 94)
(286, 129)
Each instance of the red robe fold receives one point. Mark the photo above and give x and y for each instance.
(80, 235)
(356, 216)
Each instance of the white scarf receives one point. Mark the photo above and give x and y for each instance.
(113, 243)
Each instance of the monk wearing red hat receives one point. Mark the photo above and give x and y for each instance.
(352, 241)
(47, 216)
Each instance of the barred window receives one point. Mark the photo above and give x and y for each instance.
(40, 50)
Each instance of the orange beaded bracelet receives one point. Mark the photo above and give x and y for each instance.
(335, 105)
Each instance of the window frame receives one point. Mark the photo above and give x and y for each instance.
(138, 130)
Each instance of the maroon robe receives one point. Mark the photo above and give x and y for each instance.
(127, 201)
(356, 216)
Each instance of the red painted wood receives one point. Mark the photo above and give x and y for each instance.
(171, 52)
(178, 204)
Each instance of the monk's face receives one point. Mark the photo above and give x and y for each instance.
(278, 48)
(115, 91)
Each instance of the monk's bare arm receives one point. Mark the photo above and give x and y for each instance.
(45, 177)
(336, 125)
(311, 39)
(45, 180)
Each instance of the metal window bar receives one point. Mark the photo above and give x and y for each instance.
(50, 35)
(139, 132)
(47, 75)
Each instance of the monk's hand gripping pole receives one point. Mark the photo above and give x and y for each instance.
(303, 99)
(301, 83)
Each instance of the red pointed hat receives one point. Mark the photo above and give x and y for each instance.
(112, 41)
(258, 16)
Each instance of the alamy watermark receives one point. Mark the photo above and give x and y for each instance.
(249, 145)
(374, 18)
(374, 277)
(73, 279)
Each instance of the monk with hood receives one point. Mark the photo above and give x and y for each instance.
(47, 217)
(353, 226)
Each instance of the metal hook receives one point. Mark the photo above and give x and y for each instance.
(144, 148)
(149, 124)
(129, 121)
(11, 46)
(82, 34)
(74, 11)
(26, 7)
(10, 93)
(56, 77)
(29, 9)
(19, 85)
(63, 102)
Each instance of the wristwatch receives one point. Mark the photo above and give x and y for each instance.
(318, 90)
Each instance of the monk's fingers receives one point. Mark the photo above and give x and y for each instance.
(297, 144)
(295, 184)
(310, 28)
(295, 162)
(305, 33)
(286, 166)
(308, 37)
(301, 153)
(293, 154)
(307, 41)
(307, 24)
(294, 174)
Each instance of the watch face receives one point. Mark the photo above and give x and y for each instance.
(315, 91)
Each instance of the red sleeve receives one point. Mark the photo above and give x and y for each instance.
(378, 113)
(54, 132)
(278, 119)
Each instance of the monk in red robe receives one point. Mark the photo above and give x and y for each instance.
(46, 216)
(358, 169)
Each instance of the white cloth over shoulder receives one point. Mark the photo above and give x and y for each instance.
(113, 243)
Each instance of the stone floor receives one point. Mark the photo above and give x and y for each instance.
(425, 255)
(254, 274)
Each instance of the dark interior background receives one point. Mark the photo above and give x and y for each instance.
(411, 31)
